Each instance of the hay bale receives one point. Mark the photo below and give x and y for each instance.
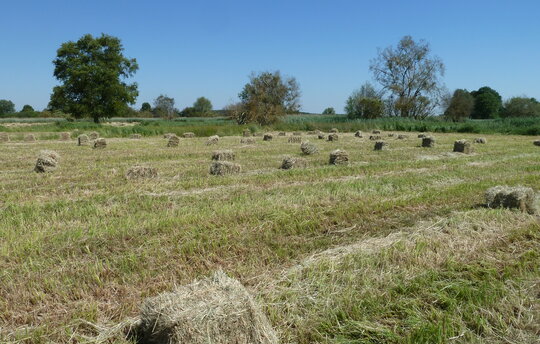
(536, 143)
(358, 134)
(522, 198)
(246, 133)
(374, 137)
(339, 157)
(136, 136)
(83, 140)
(428, 141)
(93, 135)
(47, 161)
(189, 135)
(168, 135)
(173, 141)
(212, 140)
(402, 137)
(216, 310)
(100, 143)
(378, 132)
(293, 162)
(222, 168)
(282, 133)
(138, 172)
(223, 155)
(421, 135)
(29, 138)
(380, 145)
(65, 136)
(247, 140)
(334, 131)
(4, 137)
(297, 133)
(321, 136)
(462, 146)
(391, 135)
(481, 140)
(294, 139)
(308, 148)
(312, 132)
(268, 137)
(333, 137)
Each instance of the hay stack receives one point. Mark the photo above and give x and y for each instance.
(189, 135)
(100, 143)
(138, 172)
(4, 137)
(65, 136)
(223, 155)
(334, 131)
(268, 137)
(321, 136)
(536, 143)
(358, 134)
(462, 146)
(222, 168)
(168, 135)
(46, 161)
(93, 135)
(481, 140)
(308, 148)
(246, 133)
(297, 133)
(339, 157)
(136, 136)
(519, 197)
(428, 141)
(333, 137)
(378, 132)
(421, 135)
(391, 135)
(217, 310)
(402, 137)
(380, 145)
(374, 137)
(29, 138)
(247, 140)
(212, 140)
(293, 162)
(282, 133)
(312, 132)
(173, 141)
(294, 139)
(83, 140)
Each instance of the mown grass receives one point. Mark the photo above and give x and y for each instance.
(85, 244)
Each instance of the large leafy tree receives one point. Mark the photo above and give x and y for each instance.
(411, 75)
(460, 106)
(164, 106)
(365, 103)
(487, 103)
(93, 72)
(6, 106)
(521, 107)
(146, 107)
(266, 98)
(202, 106)
(329, 111)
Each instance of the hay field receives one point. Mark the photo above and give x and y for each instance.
(395, 247)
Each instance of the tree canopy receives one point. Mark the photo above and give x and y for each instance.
(146, 106)
(487, 103)
(202, 106)
(329, 111)
(460, 106)
(521, 107)
(27, 108)
(365, 103)
(92, 72)
(6, 106)
(164, 106)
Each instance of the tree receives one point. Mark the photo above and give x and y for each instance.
(521, 107)
(329, 111)
(487, 103)
(164, 106)
(411, 75)
(93, 72)
(202, 106)
(27, 108)
(267, 97)
(6, 106)
(365, 103)
(146, 107)
(460, 106)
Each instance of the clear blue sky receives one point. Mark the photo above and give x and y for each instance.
(187, 49)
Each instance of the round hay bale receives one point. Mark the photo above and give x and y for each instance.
(4, 137)
(339, 157)
(358, 134)
(247, 140)
(481, 140)
(462, 146)
(308, 148)
(65, 136)
(402, 137)
(215, 310)
(333, 137)
(374, 137)
(136, 136)
(47, 161)
(139, 172)
(282, 133)
(428, 142)
(294, 139)
(293, 162)
(29, 138)
(321, 136)
(223, 155)
(173, 141)
(536, 143)
(297, 133)
(100, 143)
(380, 145)
(268, 137)
(222, 168)
(212, 140)
(522, 198)
(246, 133)
(83, 140)
(189, 135)
(378, 132)
(93, 135)
(334, 131)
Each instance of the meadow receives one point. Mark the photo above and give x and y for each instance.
(396, 247)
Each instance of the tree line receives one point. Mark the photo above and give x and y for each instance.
(93, 74)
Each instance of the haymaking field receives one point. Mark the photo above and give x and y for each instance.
(397, 246)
